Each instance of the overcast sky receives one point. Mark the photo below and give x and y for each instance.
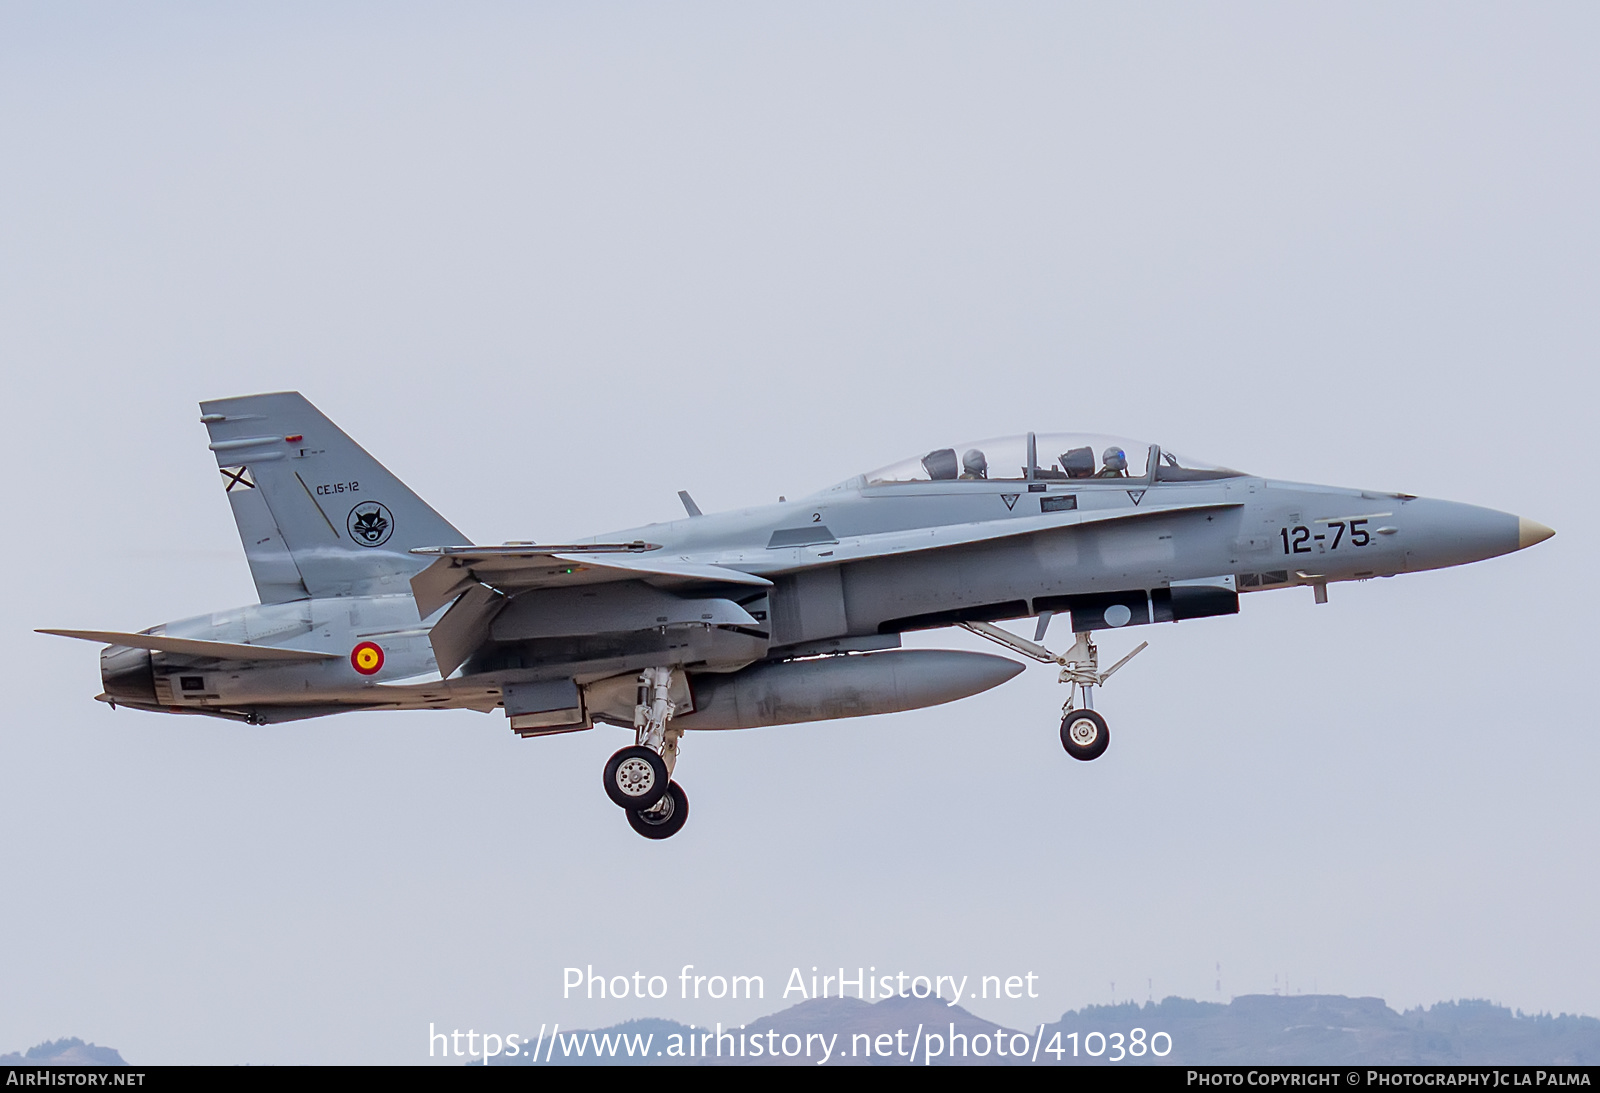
(553, 263)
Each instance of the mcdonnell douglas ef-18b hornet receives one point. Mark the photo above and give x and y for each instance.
(773, 615)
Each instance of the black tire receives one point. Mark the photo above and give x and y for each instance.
(1084, 734)
(671, 819)
(636, 778)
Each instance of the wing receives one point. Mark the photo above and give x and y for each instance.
(194, 647)
(482, 580)
(512, 569)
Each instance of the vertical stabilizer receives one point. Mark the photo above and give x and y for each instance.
(318, 516)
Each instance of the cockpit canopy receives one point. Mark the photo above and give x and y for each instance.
(1047, 457)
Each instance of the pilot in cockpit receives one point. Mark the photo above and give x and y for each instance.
(1116, 463)
(974, 467)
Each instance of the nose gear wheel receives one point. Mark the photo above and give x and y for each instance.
(1084, 734)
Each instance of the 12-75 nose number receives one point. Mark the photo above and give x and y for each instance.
(1297, 540)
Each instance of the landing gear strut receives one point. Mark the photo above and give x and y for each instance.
(639, 778)
(1083, 731)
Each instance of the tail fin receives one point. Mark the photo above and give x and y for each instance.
(318, 516)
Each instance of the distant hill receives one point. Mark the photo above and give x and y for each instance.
(1252, 1029)
(70, 1052)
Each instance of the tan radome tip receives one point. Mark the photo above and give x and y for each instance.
(1530, 532)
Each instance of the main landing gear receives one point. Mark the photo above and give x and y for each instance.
(638, 779)
(1083, 731)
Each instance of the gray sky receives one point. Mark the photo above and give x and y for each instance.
(552, 264)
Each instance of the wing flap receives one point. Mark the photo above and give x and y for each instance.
(464, 627)
(194, 647)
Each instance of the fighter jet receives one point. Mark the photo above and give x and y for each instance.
(784, 613)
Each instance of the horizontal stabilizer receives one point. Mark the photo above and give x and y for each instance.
(194, 647)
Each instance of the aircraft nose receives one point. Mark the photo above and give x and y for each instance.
(1530, 532)
(1446, 533)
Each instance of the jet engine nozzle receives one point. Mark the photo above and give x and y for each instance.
(128, 675)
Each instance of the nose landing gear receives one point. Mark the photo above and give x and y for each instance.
(1084, 734)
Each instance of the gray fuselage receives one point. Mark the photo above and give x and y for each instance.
(851, 568)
